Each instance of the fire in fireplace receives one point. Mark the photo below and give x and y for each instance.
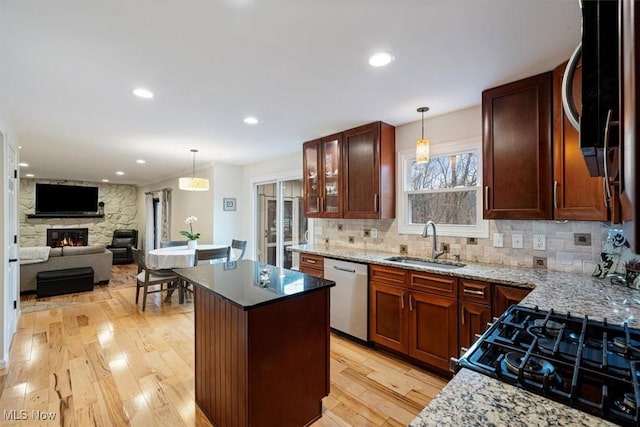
(57, 237)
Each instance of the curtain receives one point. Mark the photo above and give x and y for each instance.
(149, 242)
(165, 216)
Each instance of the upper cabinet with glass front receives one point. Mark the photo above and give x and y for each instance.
(351, 174)
(323, 177)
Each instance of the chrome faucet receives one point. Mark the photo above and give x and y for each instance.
(435, 253)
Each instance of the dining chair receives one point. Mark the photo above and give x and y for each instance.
(240, 245)
(147, 277)
(170, 243)
(209, 255)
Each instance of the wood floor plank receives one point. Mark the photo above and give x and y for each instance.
(94, 358)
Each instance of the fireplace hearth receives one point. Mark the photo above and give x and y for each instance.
(58, 237)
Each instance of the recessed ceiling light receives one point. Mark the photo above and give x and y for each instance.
(141, 161)
(119, 173)
(23, 165)
(381, 59)
(105, 180)
(251, 120)
(29, 175)
(143, 93)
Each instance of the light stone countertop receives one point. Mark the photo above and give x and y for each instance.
(473, 399)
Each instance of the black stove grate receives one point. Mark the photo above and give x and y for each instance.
(589, 365)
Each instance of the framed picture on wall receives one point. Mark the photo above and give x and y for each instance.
(229, 204)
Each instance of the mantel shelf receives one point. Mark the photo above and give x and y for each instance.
(64, 215)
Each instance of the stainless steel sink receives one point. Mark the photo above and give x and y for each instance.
(424, 262)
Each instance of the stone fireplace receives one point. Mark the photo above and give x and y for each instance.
(57, 237)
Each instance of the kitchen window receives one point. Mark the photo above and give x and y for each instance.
(445, 190)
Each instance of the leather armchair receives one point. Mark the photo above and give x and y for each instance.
(122, 242)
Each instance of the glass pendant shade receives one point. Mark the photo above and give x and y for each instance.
(422, 151)
(422, 145)
(191, 183)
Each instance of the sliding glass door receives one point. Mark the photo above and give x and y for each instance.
(281, 222)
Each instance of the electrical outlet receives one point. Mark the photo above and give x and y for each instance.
(340, 227)
(539, 262)
(317, 230)
(582, 239)
(472, 241)
(498, 240)
(374, 233)
(404, 250)
(352, 239)
(517, 241)
(367, 232)
(539, 243)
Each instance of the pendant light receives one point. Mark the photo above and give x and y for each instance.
(422, 145)
(191, 183)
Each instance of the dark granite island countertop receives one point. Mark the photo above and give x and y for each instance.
(261, 347)
(240, 282)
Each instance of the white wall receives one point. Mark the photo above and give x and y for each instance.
(215, 225)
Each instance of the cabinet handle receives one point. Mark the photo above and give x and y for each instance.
(376, 204)
(410, 305)
(486, 197)
(472, 292)
(462, 315)
(607, 127)
(555, 194)
(309, 261)
(402, 299)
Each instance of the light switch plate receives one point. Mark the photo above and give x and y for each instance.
(517, 241)
(539, 243)
(498, 240)
(374, 233)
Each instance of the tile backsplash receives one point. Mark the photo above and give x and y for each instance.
(572, 246)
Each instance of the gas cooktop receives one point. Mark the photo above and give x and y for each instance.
(589, 365)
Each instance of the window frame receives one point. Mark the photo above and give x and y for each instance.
(404, 159)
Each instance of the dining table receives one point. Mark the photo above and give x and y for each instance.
(175, 256)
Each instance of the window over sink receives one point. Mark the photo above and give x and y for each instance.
(445, 190)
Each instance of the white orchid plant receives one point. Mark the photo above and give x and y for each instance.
(190, 234)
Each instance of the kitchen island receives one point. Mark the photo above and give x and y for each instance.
(474, 399)
(261, 343)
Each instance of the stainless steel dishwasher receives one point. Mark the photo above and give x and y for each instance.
(349, 298)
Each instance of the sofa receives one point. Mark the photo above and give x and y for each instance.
(35, 260)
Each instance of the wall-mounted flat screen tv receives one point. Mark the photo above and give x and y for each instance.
(55, 198)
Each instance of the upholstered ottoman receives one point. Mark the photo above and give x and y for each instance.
(67, 281)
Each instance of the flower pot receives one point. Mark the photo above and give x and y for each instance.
(192, 244)
(631, 278)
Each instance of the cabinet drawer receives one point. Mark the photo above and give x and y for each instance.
(312, 272)
(388, 275)
(477, 292)
(310, 261)
(434, 284)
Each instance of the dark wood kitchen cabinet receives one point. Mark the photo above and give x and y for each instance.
(475, 310)
(505, 296)
(516, 144)
(369, 162)
(576, 194)
(414, 313)
(322, 169)
(312, 265)
(351, 174)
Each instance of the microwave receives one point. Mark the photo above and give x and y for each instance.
(599, 117)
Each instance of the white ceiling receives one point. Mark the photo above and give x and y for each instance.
(67, 68)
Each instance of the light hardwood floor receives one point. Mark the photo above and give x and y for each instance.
(94, 358)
